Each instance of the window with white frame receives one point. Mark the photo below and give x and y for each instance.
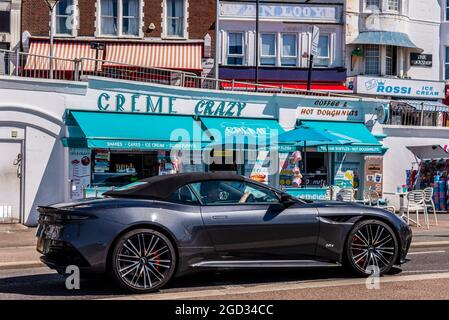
(447, 10)
(120, 17)
(323, 58)
(235, 48)
(372, 60)
(5, 16)
(268, 49)
(175, 17)
(393, 5)
(64, 17)
(289, 53)
(390, 60)
(372, 4)
(447, 64)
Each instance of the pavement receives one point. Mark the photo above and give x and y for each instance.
(18, 243)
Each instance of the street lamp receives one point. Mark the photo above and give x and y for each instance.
(51, 5)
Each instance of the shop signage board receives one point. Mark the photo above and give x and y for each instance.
(79, 170)
(374, 173)
(308, 193)
(398, 87)
(423, 60)
(330, 110)
(146, 145)
(158, 104)
(349, 149)
(281, 12)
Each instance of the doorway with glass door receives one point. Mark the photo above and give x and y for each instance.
(10, 181)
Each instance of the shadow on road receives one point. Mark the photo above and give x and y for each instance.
(52, 285)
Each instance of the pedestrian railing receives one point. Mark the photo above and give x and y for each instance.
(22, 64)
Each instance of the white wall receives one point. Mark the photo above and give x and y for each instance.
(420, 20)
(398, 158)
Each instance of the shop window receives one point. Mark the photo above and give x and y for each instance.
(120, 17)
(391, 60)
(233, 192)
(446, 65)
(5, 16)
(323, 58)
(372, 60)
(175, 18)
(235, 48)
(268, 50)
(289, 50)
(393, 5)
(64, 17)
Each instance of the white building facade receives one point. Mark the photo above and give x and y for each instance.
(394, 52)
(10, 29)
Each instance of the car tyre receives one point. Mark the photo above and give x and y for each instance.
(372, 247)
(143, 261)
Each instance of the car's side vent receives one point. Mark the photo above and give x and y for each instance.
(344, 218)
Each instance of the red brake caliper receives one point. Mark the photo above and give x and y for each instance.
(357, 251)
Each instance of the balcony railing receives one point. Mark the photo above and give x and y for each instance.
(35, 66)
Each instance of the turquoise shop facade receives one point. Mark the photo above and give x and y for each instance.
(60, 124)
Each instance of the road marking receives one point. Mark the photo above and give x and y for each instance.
(281, 286)
(426, 252)
(425, 271)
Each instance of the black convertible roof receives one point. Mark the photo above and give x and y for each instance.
(162, 187)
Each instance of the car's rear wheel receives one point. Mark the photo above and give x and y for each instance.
(372, 248)
(143, 260)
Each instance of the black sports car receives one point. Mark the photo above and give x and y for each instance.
(172, 225)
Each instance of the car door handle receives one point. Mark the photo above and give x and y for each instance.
(219, 217)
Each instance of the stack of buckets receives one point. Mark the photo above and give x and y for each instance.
(440, 189)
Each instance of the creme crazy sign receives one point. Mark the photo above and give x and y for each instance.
(283, 12)
(142, 103)
(330, 110)
(398, 87)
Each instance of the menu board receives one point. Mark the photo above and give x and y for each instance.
(79, 171)
(259, 170)
(374, 173)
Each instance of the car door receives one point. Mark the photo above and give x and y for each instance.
(258, 227)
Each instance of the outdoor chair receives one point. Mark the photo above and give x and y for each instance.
(428, 199)
(376, 200)
(416, 202)
(346, 194)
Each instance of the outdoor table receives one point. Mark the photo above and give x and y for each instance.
(401, 201)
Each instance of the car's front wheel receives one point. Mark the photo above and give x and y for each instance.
(143, 260)
(372, 248)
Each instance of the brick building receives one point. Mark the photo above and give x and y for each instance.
(175, 34)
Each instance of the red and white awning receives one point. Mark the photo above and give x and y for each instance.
(64, 52)
(180, 56)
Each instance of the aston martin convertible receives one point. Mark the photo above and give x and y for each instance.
(172, 225)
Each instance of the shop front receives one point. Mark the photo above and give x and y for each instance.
(114, 146)
(416, 118)
(317, 170)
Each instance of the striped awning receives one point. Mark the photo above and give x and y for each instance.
(180, 56)
(64, 53)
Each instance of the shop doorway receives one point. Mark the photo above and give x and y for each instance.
(10, 181)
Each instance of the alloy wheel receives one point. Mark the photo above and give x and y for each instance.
(144, 261)
(372, 248)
